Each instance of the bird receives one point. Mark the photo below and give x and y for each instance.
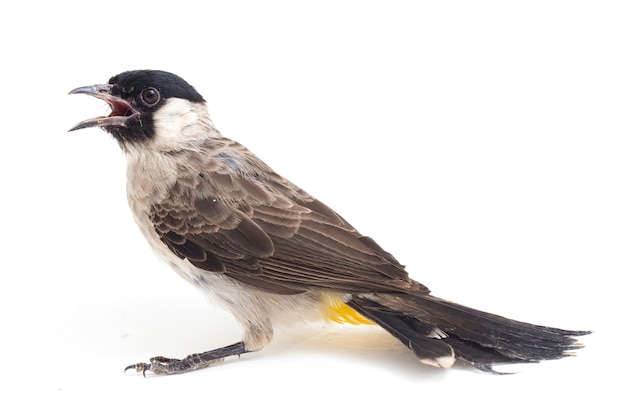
(269, 252)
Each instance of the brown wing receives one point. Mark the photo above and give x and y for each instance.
(267, 233)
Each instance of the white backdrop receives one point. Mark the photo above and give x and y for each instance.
(482, 143)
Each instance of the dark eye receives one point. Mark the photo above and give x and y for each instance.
(150, 96)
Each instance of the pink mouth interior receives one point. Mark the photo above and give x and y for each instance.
(120, 108)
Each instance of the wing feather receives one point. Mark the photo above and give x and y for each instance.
(258, 228)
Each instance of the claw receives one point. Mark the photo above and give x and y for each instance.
(139, 367)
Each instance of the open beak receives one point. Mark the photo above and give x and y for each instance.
(121, 110)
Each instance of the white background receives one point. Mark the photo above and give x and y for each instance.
(480, 142)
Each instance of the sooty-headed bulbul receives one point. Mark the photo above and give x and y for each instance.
(272, 254)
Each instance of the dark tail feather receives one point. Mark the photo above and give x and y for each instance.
(437, 331)
(419, 337)
(416, 335)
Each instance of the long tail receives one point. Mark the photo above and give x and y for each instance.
(439, 332)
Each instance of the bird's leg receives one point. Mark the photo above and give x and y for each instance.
(162, 365)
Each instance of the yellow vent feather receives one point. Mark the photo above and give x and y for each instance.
(338, 311)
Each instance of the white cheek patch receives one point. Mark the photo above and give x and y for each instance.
(177, 122)
(173, 117)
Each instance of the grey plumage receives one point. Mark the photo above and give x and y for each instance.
(268, 251)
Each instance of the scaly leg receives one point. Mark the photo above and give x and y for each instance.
(162, 365)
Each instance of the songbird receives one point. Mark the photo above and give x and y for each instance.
(271, 253)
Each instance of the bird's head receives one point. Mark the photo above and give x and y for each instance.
(145, 104)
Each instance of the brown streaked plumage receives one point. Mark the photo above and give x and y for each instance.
(271, 253)
(269, 233)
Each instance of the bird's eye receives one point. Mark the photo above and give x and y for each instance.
(150, 96)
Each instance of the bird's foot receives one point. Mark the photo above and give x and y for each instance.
(195, 361)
